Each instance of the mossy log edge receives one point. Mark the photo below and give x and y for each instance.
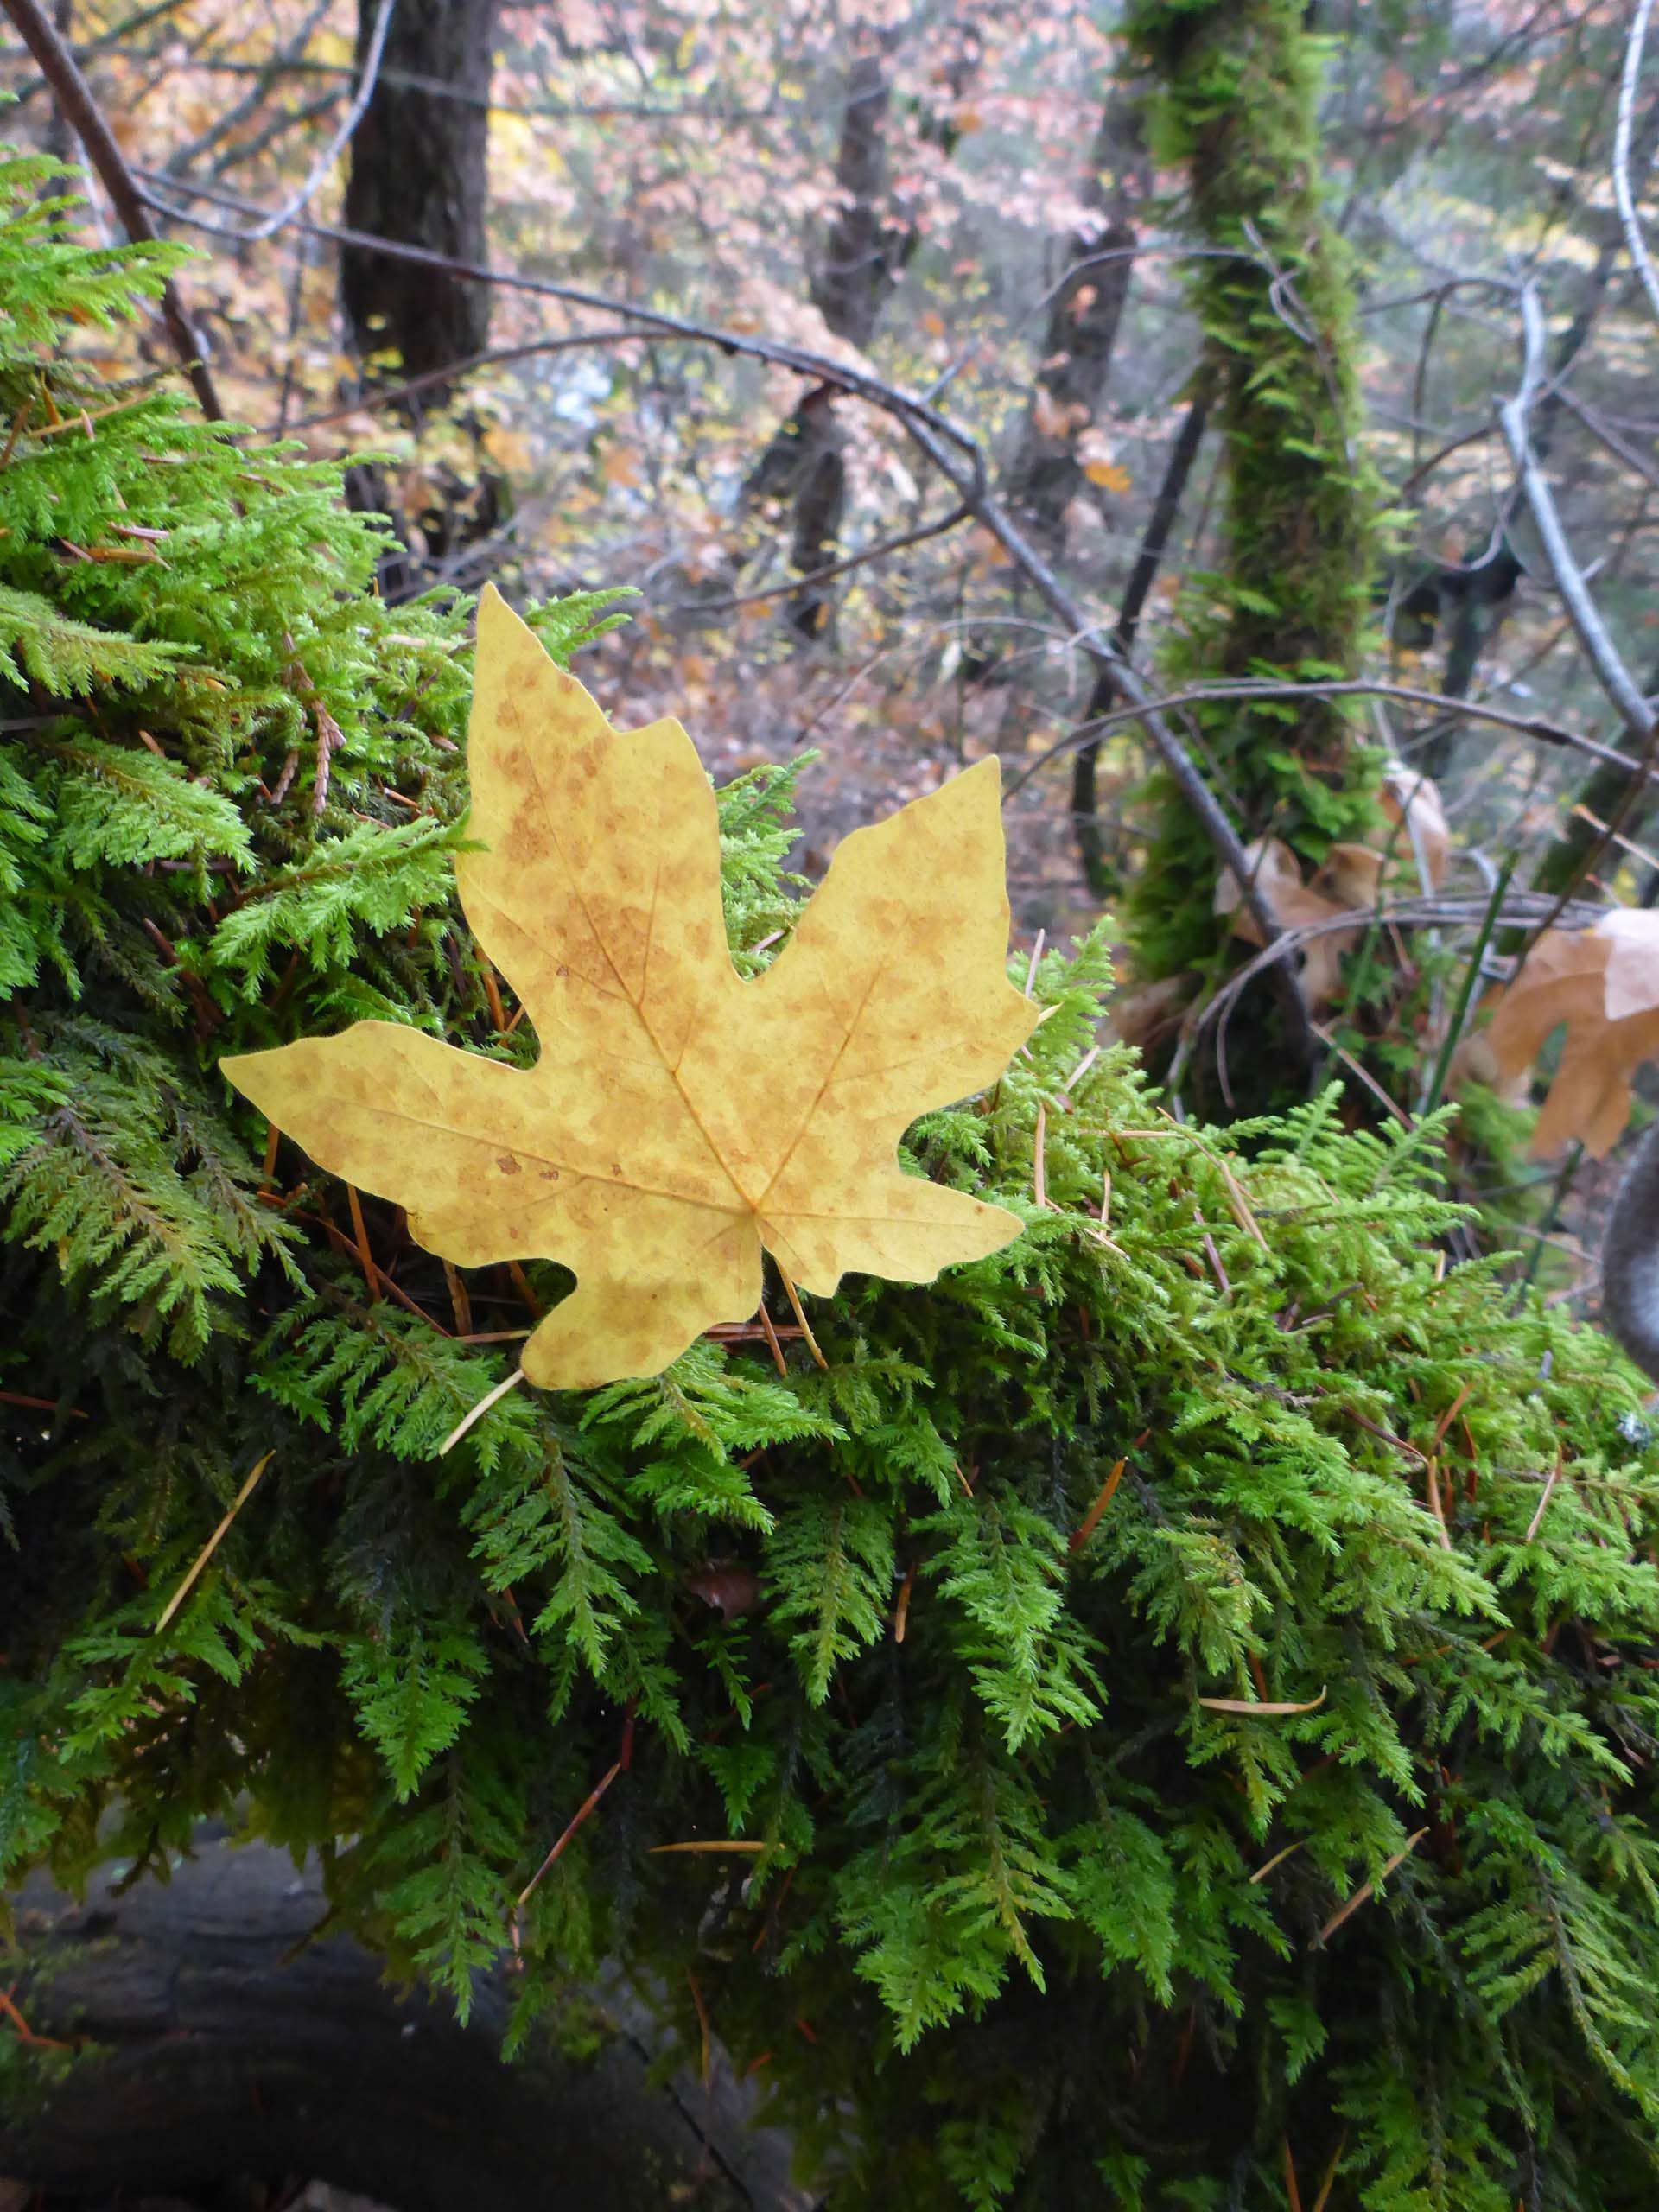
(220, 2040)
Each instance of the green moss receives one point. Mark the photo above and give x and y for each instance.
(1041, 1916)
(1233, 91)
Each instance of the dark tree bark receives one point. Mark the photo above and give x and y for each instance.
(1084, 318)
(806, 462)
(1091, 847)
(418, 175)
(223, 2040)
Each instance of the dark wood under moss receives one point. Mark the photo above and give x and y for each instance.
(222, 2042)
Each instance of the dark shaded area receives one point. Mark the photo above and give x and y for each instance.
(229, 2043)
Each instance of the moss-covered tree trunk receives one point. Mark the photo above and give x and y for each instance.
(1234, 103)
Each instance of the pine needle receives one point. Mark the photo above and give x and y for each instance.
(575, 1823)
(213, 1543)
(489, 1399)
(800, 1315)
(1368, 1890)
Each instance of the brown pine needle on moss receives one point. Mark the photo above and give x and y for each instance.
(771, 1334)
(576, 1822)
(477, 1414)
(902, 1611)
(459, 1299)
(1537, 1520)
(728, 1843)
(1292, 2190)
(359, 1229)
(492, 995)
(707, 2066)
(1261, 1709)
(1368, 1890)
(1329, 2181)
(1091, 1520)
(213, 1543)
(804, 1325)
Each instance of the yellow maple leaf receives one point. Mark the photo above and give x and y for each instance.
(679, 1118)
(1108, 476)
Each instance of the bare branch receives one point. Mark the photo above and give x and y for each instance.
(1602, 653)
(492, 357)
(957, 456)
(1345, 688)
(57, 64)
(298, 201)
(877, 552)
(1624, 191)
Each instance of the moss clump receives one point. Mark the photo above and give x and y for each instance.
(1261, 1772)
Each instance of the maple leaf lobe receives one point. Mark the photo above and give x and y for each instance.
(680, 1118)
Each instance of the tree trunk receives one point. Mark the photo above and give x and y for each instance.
(1236, 102)
(1083, 317)
(223, 2040)
(418, 174)
(806, 462)
(1085, 821)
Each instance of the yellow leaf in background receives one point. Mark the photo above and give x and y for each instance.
(1095, 454)
(686, 48)
(680, 1119)
(508, 450)
(620, 465)
(1108, 476)
(1604, 984)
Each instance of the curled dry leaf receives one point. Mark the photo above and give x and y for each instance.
(680, 1119)
(1352, 879)
(1410, 798)
(1138, 1016)
(1294, 904)
(1604, 984)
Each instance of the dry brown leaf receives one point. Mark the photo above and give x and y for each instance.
(1410, 798)
(680, 1119)
(1137, 1014)
(1294, 904)
(1351, 876)
(1633, 964)
(1567, 980)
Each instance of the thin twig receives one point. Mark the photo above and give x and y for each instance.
(1537, 1520)
(302, 199)
(81, 111)
(1601, 652)
(1368, 1890)
(1356, 688)
(1091, 1520)
(1624, 191)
